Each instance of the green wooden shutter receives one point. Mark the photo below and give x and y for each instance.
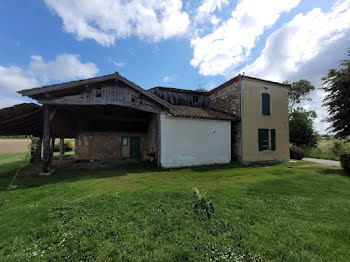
(273, 139)
(265, 97)
(261, 135)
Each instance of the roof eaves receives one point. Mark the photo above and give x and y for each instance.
(267, 81)
(66, 85)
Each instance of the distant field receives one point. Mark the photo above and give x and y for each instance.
(8, 146)
(324, 150)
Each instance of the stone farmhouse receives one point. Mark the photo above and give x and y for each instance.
(243, 120)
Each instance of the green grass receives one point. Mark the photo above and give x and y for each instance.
(324, 150)
(286, 212)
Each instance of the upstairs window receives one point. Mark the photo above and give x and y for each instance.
(267, 139)
(98, 92)
(265, 101)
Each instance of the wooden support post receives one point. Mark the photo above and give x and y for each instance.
(61, 151)
(158, 139)
(38, 150)
(46, 139)
(52, 146)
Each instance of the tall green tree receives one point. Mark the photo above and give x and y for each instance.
(337, 101)
(298, 92)
(301, 130)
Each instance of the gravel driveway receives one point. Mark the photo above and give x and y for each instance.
(323, 161)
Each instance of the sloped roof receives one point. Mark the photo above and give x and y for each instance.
(21, 119)
(195, 92)
(239, 77)
(34, 92)
(200, 113)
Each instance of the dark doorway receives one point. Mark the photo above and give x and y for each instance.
(135, 143)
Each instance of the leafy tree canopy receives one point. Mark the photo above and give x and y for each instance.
(301, 130)
(337, 101)
(298, 92)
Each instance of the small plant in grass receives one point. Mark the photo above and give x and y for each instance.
(201, 204)
(345, 163)
(296, 153)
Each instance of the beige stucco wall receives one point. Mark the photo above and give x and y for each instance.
(253, 119)
(192, 142)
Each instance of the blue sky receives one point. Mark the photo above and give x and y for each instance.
(183, 44)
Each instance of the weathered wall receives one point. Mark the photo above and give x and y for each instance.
(226, 98)
(104, 145)
(185, 98)
(253, 119)
(190, 142)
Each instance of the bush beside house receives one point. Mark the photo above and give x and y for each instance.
(296, 152)
(345, 163)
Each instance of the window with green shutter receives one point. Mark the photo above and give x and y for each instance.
(267, 139)
(265, 99)
(263, 139)
(273, 139)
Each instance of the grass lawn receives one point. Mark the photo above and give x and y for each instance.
(286, 212)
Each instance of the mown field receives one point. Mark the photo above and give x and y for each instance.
(286, 212)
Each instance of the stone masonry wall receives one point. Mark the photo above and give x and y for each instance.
(226, 98)
(103, 145)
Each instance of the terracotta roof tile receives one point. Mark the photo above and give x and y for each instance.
(201, 113)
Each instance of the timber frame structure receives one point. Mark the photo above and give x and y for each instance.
(107, 103)
(112, 118)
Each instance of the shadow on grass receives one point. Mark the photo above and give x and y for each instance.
(29, 176)
(332, 171)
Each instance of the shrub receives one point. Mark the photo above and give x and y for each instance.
(338, 147)
(67, 147)
(345, 163)
(296, 152)
(202, 205)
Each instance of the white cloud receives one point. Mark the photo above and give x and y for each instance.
(118, 64)
(108, 20)
(299, 41)
(209, 6)
(230, 43)
(169, 78)
(306, 48)
(9, 101)
(15, 78)
(214, 20)
(65, 67)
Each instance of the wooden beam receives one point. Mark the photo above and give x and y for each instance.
(61, 151)
(19, 117)
(158, 140)
(52, 146)
(46, 139)
(64, 101)
(63, 86)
